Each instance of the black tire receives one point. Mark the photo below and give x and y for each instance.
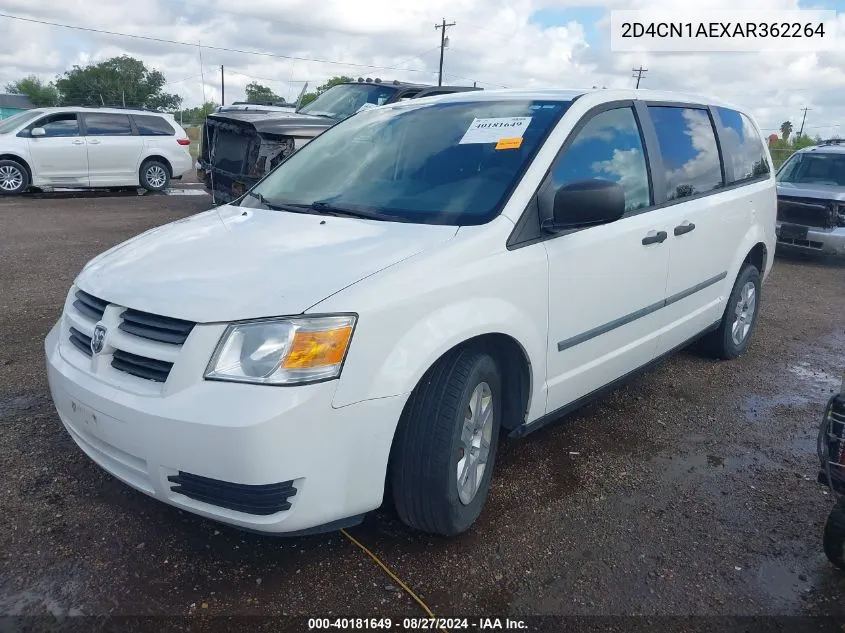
(834, 536)
(15, 175)
(155, 175)
(428, 446)
(720, 343)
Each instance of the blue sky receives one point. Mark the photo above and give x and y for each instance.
(587, 16)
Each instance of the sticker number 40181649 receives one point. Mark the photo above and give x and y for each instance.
(495, 130)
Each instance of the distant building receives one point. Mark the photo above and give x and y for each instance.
(12, 104)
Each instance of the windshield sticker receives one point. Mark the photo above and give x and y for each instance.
(509, 143)
(494, 130)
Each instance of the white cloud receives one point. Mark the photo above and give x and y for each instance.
(494, 42)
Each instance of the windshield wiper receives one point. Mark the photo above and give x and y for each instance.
(322, 206)
(273, 206)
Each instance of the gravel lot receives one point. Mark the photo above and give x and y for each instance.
(690, 491)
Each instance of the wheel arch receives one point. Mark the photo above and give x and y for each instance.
(20, 160)
(159, 158)
(515, 368)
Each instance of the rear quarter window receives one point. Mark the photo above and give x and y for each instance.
(150, 125)
(688, 146)
(742, 147)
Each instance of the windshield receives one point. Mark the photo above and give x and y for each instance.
(344, 100)
(437, 163)
(12, 123)
(814, 168)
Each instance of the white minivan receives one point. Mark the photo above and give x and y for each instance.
(91, 147)
(416, 281)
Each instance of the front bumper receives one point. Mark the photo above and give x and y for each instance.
(247, 435)
(817, 240)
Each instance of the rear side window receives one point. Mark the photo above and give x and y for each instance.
(149, 125)
(58, 125)
(101, 124)
(690, 154)
(608, 147)
(742, 146)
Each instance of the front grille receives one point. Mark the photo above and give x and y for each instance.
(261, 500)
(155, 327)
(80, 341)
(89, 305)
(807, 211)
(149, 368)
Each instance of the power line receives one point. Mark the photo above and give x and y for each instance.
(442, 26)
(804, 118)
(639, 74)
(213, 48)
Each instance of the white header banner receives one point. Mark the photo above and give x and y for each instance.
(722, 30)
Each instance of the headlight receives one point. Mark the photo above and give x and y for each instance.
(282, 351)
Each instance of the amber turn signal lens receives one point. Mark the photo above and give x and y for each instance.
(317, 349)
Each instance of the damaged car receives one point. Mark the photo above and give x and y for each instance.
(239, 147)
(811, 200)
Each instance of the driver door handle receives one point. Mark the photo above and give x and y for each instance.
(78, 142)
(686, 227)
(93, 141)
(657, 238)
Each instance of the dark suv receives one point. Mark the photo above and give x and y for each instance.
(811, 199)
(240, 147)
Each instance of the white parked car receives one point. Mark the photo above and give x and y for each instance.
(91, 147)
(420, 278)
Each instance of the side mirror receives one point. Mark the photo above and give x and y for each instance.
(586, 203)
(38, 131)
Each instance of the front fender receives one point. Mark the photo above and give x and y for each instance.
(414, 312)
(428, 338)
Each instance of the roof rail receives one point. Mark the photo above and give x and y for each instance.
(832, 141)
(112, 107)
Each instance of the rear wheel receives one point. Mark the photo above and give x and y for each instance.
(445, 446)
(155, 175)
(740, 318)
(14, 178)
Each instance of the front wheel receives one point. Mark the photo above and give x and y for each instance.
(445, 446)
(155, 175)
(14, 178)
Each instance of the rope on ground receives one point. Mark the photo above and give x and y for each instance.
(393, 576)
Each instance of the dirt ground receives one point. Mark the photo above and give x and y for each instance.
(690, 491)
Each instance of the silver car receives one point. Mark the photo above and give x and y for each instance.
(811, 199)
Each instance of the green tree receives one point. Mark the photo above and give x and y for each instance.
(785, 130)
(37, 91)
(195, 116)
(258, 93)
(308, 97)
(117, 81)
(802, 141)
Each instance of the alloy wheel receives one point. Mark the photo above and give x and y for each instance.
(476, 436)
(11, 178)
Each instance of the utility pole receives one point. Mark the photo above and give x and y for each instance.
(801, 133)
(639, 74)
(442, 26)
(222, 87)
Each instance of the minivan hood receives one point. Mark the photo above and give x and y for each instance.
(809, 190)
(234, 263)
